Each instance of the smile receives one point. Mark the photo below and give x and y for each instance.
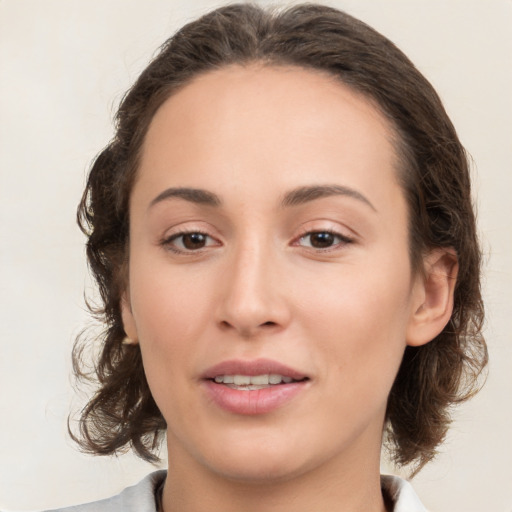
(253, 387)
(252, 382)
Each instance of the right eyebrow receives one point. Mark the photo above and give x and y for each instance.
(194, 195)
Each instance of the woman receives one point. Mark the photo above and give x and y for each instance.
(284, 242)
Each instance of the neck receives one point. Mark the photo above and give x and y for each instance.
(190, 487)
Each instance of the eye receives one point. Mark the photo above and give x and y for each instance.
(188, 242)
(322, 240)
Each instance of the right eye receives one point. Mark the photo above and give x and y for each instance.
(189, 241)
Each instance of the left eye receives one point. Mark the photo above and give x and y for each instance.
(192, 241)
(322, 239)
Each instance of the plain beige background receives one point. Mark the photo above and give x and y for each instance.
(64, 65)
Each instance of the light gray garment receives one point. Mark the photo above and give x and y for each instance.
(138, 498)
(141, 497)
(402, 494)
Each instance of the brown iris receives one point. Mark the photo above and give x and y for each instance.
(322, 239)
(193, 241)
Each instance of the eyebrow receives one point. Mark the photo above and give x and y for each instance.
(296, 197)
(305, 194)
(194, 195)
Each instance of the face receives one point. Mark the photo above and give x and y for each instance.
(269, 280)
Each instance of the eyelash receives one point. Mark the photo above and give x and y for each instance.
(169, 242)
(343, 240)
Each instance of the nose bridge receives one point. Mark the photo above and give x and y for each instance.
(251, 298)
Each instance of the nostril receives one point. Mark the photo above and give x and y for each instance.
(248, 331)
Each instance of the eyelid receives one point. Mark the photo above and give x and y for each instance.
(323, 226)
(167, 241)
(343, 239)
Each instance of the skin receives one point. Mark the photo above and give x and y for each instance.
(259, 287)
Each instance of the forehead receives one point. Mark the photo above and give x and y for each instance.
(268, 93)
(259, 123)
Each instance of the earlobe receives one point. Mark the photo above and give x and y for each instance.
(435, 292)
(128, 321)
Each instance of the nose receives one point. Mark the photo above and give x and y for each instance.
(253, 299)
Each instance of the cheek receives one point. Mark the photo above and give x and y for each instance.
(166, 298)
(171, 310)
(359, 319)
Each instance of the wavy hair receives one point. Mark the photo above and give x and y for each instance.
(433, 170)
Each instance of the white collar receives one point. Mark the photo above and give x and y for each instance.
(402, 494)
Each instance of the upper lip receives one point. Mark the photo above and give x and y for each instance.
(252, 367)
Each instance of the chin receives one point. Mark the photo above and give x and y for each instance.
(260, 461)
(258, 472)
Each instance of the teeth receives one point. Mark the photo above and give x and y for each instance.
(261, 380)
(242, 380)
(274, 379)
(255, 380)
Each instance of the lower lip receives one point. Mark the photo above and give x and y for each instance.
(253, 402)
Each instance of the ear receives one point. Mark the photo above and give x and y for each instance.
(433, 296)
(128, 321)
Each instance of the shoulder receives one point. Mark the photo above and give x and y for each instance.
(137, 498)
(401, 494)
(141, 497)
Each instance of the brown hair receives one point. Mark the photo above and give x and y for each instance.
(433, 171)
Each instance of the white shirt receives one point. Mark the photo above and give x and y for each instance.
(142, 497)
(402, 494)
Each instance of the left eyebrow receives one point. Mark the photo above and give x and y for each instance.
(305, 194)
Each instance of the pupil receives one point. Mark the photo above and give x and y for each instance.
(321, 240)
(194, 240)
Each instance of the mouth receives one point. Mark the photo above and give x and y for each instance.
(254, 382)
(253, 387)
